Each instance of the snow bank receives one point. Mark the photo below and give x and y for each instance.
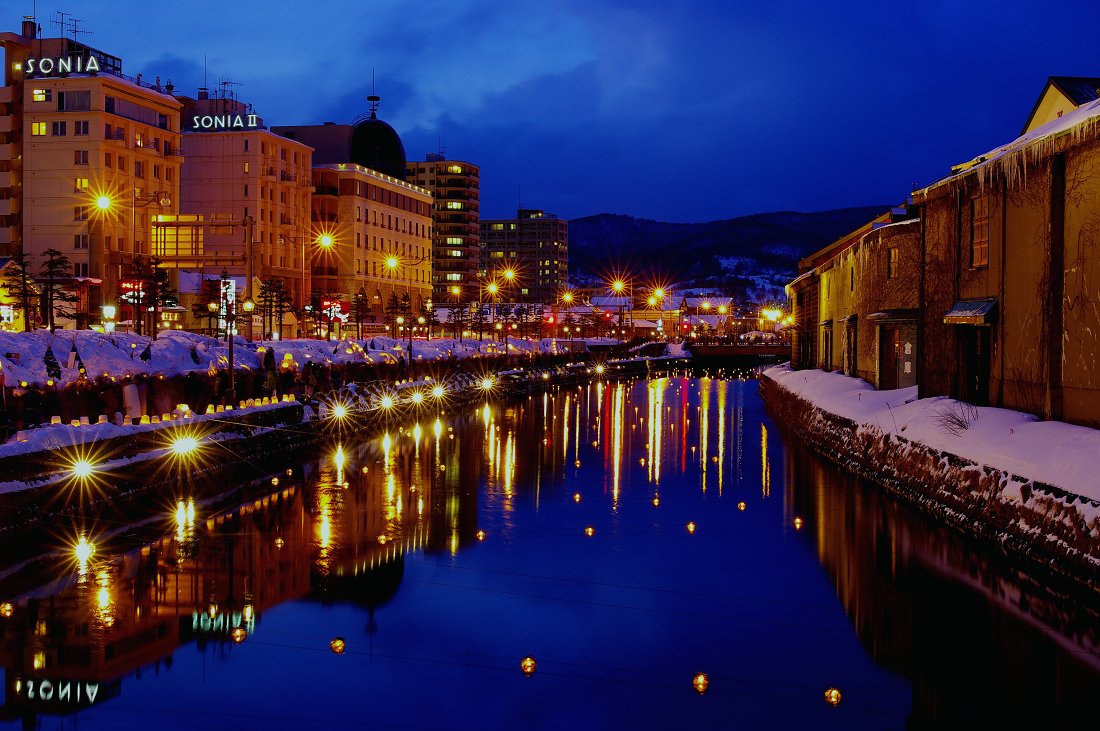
(1050, 452)
(174, 352)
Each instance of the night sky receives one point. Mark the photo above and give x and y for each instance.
(677, 111)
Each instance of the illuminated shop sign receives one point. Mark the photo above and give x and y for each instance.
(62, 65)
(225, 121)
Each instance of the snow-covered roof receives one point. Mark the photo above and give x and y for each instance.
(1012, 159)
(609, 301)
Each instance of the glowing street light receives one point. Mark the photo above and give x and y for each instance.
(184, 446)
(103, 202)
(438, 391)
(325, 241)
(391, 262)
(700, 682)
(82, 469)
(527, 665)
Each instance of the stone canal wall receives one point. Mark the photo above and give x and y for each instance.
(1043, 525)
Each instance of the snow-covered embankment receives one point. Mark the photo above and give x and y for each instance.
(1034, 486)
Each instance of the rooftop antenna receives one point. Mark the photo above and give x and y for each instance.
(373, 99)
(68, 25)
(227, 91)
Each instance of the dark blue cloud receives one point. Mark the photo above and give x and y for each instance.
(678, 111)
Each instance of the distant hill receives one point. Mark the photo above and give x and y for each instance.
(750, 257)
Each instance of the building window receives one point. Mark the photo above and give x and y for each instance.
(455, 169)
(139, 169)
(42, 95)
(139, 139)
(454, 241)
(80, 213)
(497, 226)
(80, 128)
(80, 269)
(80, 157)
(852, 279)
(892, 263)
(454, 205)
(81, 184)
(156, 172)
(455, 252)
(38, 129)
(80, 241)
(246, 167)
(108, 160)
(979, 231)
(169, 174)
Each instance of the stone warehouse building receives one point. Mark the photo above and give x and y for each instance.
(998, 284)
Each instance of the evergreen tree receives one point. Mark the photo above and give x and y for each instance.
(18, 285)
(57, 301)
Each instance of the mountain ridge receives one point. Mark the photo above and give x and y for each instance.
(750, 257)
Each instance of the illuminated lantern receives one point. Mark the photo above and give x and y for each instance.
(576, 497)
(6, 609)
(590, 531)
(481, 535)
(238, 634)
(337, 645)
(832, 697)
(274, 481)
(700, 682)
(741, 505)
(527, 665)
(656, 501)
(279, 543)
(798, 523)
(691, 527)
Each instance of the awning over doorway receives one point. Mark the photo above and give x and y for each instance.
(972, 312)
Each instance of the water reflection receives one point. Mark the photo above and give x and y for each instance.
(373, 521)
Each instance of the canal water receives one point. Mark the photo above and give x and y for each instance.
(626, 537)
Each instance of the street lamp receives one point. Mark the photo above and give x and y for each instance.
(401, 321)
(230, 309)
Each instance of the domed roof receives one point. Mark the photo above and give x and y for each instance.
(376, 145)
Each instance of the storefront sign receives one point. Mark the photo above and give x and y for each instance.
(225, 121)
(335, 310)
(62, 65)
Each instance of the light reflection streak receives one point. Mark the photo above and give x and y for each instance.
(618, 408)
(765, 464)
(723, 385)
(704, 430)
(656, 427)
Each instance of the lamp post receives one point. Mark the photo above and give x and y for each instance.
(393, 263)
(230, 309)
(456, 298)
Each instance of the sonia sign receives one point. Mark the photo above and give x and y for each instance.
(62, 65)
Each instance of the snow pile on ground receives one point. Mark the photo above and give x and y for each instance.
(23, 356)
(1051, 452)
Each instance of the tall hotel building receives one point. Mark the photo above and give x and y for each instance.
(535, 245)
(75, 132)
(236, 170)
(372, 230)
(455, 188)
